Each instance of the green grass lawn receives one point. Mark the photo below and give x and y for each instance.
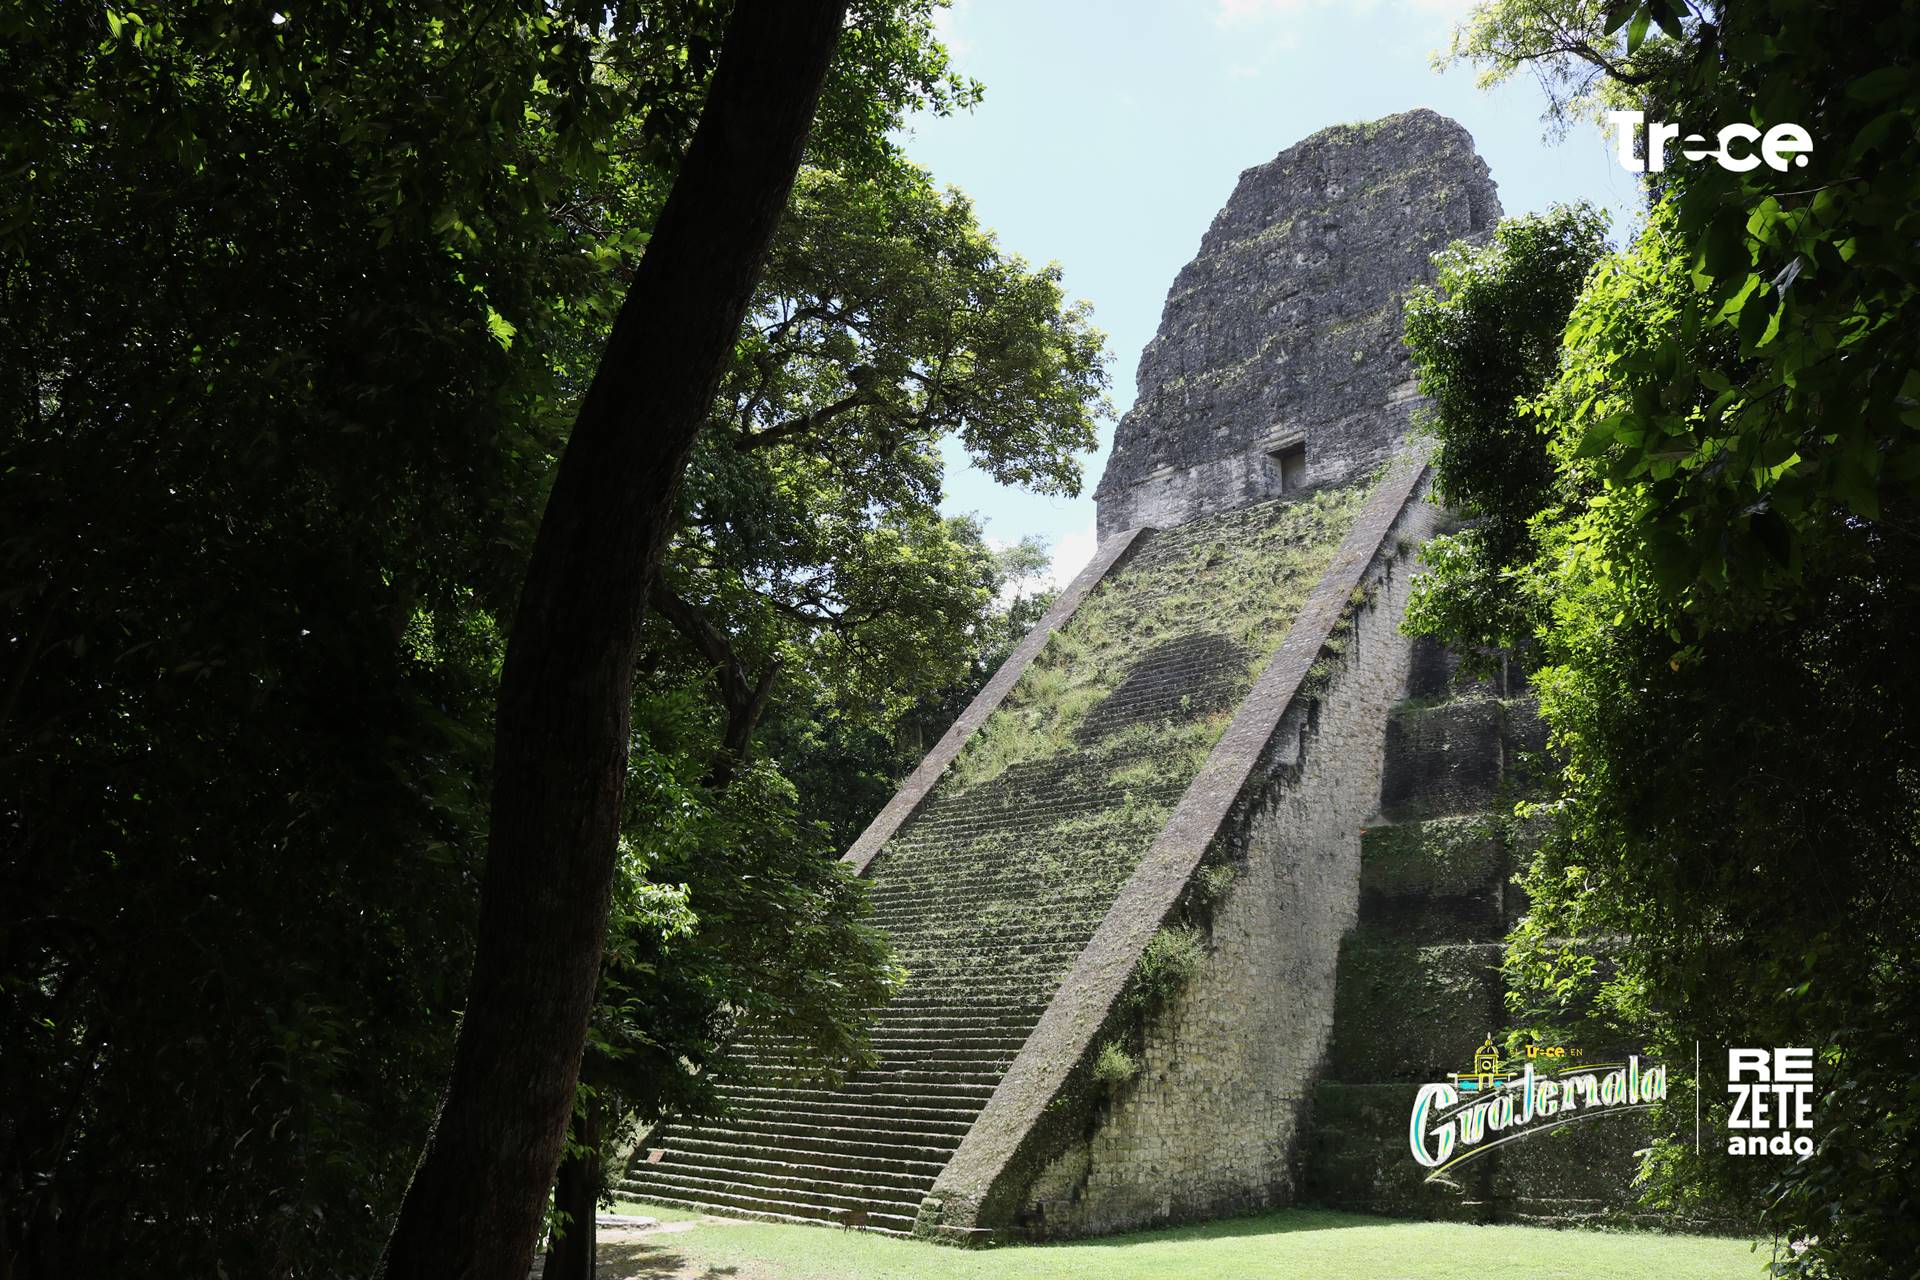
(1297, 1244)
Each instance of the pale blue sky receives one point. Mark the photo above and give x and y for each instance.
(1111, 133)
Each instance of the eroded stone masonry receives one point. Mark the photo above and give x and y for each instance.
(1278, 364)
(1212, 873)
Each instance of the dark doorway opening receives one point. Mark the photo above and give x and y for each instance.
(1292, 461)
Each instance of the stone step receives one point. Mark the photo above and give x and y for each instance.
(984, 846)
(963, 894)
(914, 1025)
(736, 1207)
(998, 941)
(928, 1057)
(994, 803)
(883, 1092)
(885, 1039)
(804, 1148)
(957, 1076)
(1439, 880)
(1442, 759)
(853, 1167)
(1080, 911)
(898, 1026)
(936, 1001)
(994, 862)
(704, 1179)
(1404, 1011)
(886, 1134)
(781, 1104)
(896, 1180)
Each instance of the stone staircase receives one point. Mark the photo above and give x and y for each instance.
(1000, 877)
(1420, 979)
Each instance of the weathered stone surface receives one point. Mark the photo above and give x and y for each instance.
(1442, 759)
(1356, 1158)
(998, 863)
(1212, 1123)
(1412, 1013)
(1436, 881)
(1436, 674)
(1578, 1171)
(1285, 329)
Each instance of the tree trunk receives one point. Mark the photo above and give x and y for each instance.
(576, 1192)
(474, 1208)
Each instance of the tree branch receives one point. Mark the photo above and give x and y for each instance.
(743, 696)
(806, 423)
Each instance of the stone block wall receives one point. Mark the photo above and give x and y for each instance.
(1212, 1122)
(1420, 981)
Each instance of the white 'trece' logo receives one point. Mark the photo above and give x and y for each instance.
(1783, 145)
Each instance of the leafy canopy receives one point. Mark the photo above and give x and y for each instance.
(1714, 577)
(294, 306)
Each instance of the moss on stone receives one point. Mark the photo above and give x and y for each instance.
(1441, 856)
(1244, 575)
(1406, 1012)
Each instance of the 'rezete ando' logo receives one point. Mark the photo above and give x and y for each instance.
(1492, 1104)
(1772, 1093)
(1781, 147)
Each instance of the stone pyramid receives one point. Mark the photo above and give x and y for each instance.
(1121, 882)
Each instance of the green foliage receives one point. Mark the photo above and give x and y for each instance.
(1586, 63)
(1485, 339)
(1212, 883)
(1115, 1066)
(1488, 333)
(731, 913)
(887, 318)
(846, 748)
(1281, 552)
(294, 309)
(813, 547)
(1168, 961)
(1717, 583)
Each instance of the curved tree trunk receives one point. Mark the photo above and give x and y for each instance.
(474, 1208)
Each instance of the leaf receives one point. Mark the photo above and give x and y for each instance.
(1730, 309)
(500, 328)
(1753, 320)
(1597, 438)
(1667, 15)
(1878, 86)
(1617, 15)
(1726, 249)
(1875, 132)
(1637, 30)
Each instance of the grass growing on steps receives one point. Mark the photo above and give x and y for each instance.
(1243, 575)
(1294, 1244)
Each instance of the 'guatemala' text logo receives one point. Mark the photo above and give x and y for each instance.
(1491, 1105)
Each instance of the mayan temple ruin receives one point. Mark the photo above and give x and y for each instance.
(1214, 871)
